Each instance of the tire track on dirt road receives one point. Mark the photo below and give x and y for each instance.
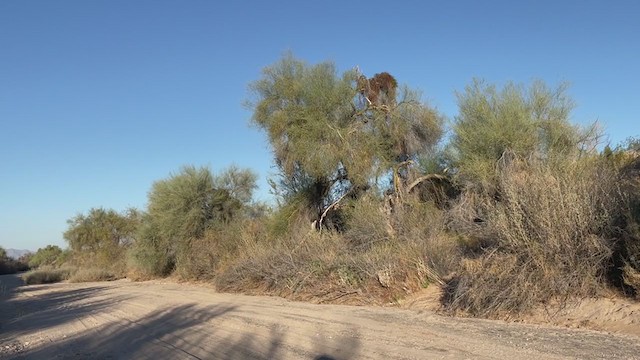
(152, 320)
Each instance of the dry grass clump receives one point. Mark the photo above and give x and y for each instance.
(629, 246)
(47, 275)
(91, 275)
(204, 256)
(631, 277)
(423, 227)
(276, 265)
(549, 235)
(379, 257)
(367, 224)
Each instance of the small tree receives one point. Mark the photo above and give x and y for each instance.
(101, 237)
(182, 208)
(49, 255)
(9, 265)
(239, 183)
(527, 122)
(337, 135)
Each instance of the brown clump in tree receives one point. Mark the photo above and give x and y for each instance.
(380, 90)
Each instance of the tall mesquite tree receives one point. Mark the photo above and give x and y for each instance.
(336, 135)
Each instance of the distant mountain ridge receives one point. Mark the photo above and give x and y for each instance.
(16, 253)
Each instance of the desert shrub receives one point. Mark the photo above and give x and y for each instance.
(49, 255)
(270, 264)
(4, 259)
(47, 275)
(379, 257)
(290, 215)
(200, 258)
(424, 226)
(6, 268)
(100, 239)
(547, 237)
(182, 210)
(150, 255)
(631, 277)
(367, 223)
(302, 264)
(627, 257)
(532, 121)
(9, 265)
(219, 245)
(91, 275)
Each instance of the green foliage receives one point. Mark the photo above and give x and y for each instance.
(152, 255)
(49, 255)
(296, 104)
(9, 265)
(328, 140)
(4, 268)
(239, 183)
(527, 122)
(187, 203)
(101, 237)
(516, 210)
(183, 208)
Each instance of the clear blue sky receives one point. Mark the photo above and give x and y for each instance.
(98, 99)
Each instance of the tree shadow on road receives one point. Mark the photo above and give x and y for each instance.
(187, 331)
(48, 310)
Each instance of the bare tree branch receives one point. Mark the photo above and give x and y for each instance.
(422, 179)
(333, 205)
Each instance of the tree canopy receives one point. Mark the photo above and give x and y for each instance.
(329, 138)
(532, 121)
(48, 255)
(101, 235)
(183, 207)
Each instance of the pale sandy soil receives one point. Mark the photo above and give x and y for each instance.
(152, 320)
(607, 314)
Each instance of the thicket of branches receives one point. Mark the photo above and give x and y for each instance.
(519, 208)
(11, 266)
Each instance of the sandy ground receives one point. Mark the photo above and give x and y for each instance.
(152, 320)
(611, 314)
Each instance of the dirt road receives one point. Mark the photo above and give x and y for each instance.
(125, 320)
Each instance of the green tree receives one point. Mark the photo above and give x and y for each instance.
(182, 208)
(48, 255)
(9, 265)
(239, 183)
(4, 268)
(332, 135)
(528, 122)
(101, 237)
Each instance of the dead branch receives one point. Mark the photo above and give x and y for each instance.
(333, 205)
(424, 178)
